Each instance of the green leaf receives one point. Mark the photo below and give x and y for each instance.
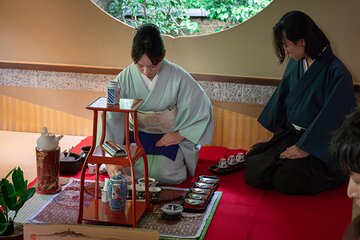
(8, 192)
(3, 203)
(18, 180)
(3, 223)
(30, 193)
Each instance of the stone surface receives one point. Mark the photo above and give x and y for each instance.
(233, 92)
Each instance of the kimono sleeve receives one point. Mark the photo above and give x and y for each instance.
(194, 118)
(339, 101)
(274, 113)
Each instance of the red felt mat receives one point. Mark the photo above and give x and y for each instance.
(248, 213)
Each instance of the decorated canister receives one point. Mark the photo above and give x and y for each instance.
(113, 96)
(48, 171)
(117, 189)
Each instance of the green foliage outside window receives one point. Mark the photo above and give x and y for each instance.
(172, 17)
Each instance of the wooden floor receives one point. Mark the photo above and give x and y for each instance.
(18, 150)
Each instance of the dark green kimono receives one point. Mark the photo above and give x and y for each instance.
(316, 101)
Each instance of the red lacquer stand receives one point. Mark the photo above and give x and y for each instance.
(98, 211)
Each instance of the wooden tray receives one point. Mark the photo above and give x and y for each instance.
(215, 169)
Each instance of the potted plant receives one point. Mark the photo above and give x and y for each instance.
(13, 195)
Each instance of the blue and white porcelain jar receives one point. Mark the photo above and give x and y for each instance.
(117, 189)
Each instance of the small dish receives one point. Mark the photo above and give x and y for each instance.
(209, 179)
(200, 190)
(197, 196)
(194, 201)
(203, 185)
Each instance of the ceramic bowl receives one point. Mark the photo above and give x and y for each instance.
(70, 165)
(172, 211)
(140, 191)
(152, 182)
(154, 192)
(84, 152)
(209, 179)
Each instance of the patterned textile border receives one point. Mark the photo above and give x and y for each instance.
(65, 206)
(211, 210)
(190, 226)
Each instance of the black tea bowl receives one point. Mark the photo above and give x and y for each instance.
(71, 164)
(84, 152)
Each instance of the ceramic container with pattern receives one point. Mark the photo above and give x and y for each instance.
(117, 189)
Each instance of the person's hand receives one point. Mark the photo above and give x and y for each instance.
(259, 142)
(112, 170)
(293, 152)
(169, 139)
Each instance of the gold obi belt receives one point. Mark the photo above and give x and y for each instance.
(156, 122)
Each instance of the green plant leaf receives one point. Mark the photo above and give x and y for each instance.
(30, 193)
(3, 222)
(13, 196)
(18, 180)
(8, 192)
(3, 203)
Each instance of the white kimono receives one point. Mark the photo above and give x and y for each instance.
(175, 93)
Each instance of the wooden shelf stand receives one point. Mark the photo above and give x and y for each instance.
(99, 212)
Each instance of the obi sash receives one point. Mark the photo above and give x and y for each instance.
(157, 122)
(148, 141)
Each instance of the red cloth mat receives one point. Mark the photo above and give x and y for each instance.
(248, 213)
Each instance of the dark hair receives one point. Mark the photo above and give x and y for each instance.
(148, 41)
(345, 143)
(296, 25)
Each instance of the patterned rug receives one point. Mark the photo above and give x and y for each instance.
(65, 206)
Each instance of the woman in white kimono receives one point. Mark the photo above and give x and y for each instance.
(175, 117)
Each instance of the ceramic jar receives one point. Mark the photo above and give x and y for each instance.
(48, 171)
(48, 141)
(117, 190)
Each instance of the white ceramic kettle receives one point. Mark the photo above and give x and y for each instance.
(48, 141)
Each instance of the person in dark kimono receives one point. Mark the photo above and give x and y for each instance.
(315, 94)
(345, 148)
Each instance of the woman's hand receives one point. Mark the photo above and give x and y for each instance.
(294, 152)
(169, 139)
(112, 170)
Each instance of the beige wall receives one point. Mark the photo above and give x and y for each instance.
(79, 33)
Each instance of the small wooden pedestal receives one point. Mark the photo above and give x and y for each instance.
(100, 212)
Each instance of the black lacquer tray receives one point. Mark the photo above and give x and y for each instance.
(199, 195)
